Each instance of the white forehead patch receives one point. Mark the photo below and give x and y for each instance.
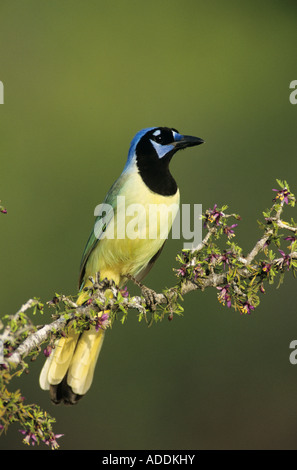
(175, 134)
(157, 132)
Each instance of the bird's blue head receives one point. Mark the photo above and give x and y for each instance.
(158, 144)
(150, 153)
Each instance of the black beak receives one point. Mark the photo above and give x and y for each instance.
(187, 141)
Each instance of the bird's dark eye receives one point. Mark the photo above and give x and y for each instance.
(157, 136)
(163, 136)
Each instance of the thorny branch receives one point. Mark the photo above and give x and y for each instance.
(215, 220)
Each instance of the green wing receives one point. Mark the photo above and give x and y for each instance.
(101, 223)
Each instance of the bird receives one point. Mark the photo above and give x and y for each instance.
(146, 179)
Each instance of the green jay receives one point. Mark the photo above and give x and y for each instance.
(146, 180)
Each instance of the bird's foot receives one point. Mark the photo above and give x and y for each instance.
(150, 296)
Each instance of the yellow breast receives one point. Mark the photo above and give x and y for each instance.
(141, 223)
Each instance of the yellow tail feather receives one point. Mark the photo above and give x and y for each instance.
(56, 365)
(82, 366)
(72, 361)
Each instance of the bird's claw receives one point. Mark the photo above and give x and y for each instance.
(150, 297)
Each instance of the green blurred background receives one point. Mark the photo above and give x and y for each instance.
(80, 79)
